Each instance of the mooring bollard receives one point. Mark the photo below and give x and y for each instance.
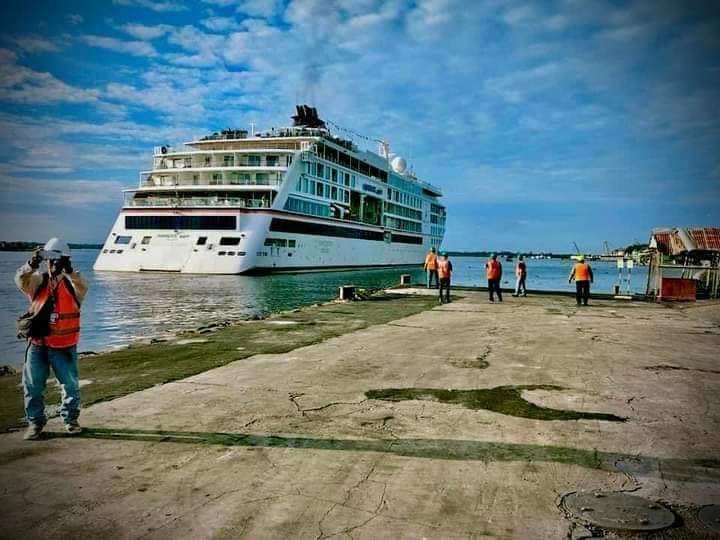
(347, 292)
(405, 279)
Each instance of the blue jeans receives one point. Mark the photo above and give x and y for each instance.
(36, 370)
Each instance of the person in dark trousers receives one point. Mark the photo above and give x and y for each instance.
(444, 268)
(430, 267)
(521, 275)
(583, 276)
(493, 270)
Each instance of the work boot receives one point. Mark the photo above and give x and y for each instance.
(73, 428)
(33, 432)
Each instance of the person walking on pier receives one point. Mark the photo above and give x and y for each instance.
(431, 267)
(583, 276)
(444, 271)
(520, 275)
(493, 270)
(52, 328)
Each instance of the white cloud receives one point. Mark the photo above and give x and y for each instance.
(74, 18)
(144, 32)
(35, 44)
(154, 5)
(260, 8)
(19, 84)
(135, 48)
(219, 24)
(60, 192)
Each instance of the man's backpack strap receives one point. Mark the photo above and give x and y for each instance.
(71, 288)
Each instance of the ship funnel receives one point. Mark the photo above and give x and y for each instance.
(307, 117)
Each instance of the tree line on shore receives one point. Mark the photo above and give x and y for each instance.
(29, 246)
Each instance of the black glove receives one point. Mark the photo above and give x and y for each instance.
(35, 259)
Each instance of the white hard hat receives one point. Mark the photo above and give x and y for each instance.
(55, 248)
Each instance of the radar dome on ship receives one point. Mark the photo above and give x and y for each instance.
(398, 164)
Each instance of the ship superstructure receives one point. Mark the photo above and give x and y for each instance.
(289, 199)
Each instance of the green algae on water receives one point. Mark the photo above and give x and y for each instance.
(506, 400)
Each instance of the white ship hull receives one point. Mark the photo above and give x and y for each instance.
(179, 250)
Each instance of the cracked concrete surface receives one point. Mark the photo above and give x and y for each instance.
(320, 460)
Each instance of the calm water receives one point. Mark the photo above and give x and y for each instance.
(121, 308)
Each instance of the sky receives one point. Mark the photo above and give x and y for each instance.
(544, 123)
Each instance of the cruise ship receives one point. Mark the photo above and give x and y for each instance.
(290, 199)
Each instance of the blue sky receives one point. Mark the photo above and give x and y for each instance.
(543, 122)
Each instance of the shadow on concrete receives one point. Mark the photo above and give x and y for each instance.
(686, 470)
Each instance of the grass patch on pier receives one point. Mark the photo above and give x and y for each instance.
(506, 400)
(138, 367)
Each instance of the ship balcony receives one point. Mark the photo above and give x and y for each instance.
(204, 178)
(221, 160)
(255, 201)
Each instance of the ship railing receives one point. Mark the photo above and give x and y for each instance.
(198, 201)
(158, 181)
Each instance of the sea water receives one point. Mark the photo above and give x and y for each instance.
(123, 307)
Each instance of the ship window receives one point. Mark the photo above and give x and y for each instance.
(227, 223)
(123, 239)
(207, 161)
(241, 253)
(271, 161)
(347, 179)
(202, 240)
(253, 161)
(334, 193)
(221, 253)
(276, 242)
(105, 250)
(319, 189)
(291, 243)
(319, 229)
(231, 253)
(119, 251)
(262, 178)
(146, 240)
(228, 161)
(333, 175)
(229, 241)
(320, 170)
(327, 191)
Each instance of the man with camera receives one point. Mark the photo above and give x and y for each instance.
(52, 328)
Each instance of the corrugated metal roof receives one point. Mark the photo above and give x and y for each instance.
(706, 239)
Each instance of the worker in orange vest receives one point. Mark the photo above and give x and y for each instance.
(583, 276)
(431, 267)
(521, 276)
(52, 331)
(444, 273)
(493, 270)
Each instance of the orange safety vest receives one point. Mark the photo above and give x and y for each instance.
(493, 269)
(582, 272)
(64, 319)
(431, 261)
(444, 269)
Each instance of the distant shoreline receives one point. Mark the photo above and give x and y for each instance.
(29, 246)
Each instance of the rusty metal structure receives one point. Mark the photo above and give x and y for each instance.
(684, 262)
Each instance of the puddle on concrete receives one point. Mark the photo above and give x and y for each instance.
(506, 400)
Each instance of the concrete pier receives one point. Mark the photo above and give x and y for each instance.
(469, 420)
